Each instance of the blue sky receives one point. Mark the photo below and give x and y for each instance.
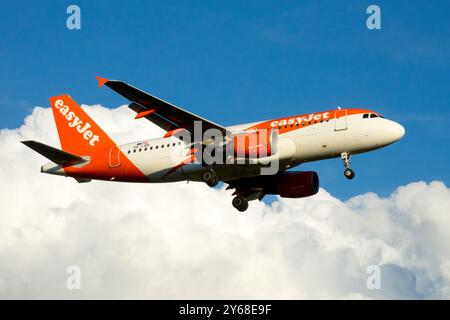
(240, 61)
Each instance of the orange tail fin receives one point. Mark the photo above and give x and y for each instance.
(81, 136)
(78, 133)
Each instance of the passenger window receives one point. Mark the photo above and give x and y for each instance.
(156, 147)
(140, 150)
(151, 148)
(168, 145)
(129, 151)
(162, 146)
(173, 144)
(373, 115)
(145, 149)
(366, 116)
(134, 150)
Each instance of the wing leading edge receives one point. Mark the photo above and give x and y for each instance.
(164, 114)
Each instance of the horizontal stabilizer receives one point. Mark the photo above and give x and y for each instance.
(57, 156)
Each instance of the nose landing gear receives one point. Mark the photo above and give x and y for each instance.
(348, 173)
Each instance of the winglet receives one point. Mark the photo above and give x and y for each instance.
(101, 81)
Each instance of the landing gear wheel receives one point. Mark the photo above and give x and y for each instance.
(240, 203)
(210, 178)
(214, 183)
(349, 174)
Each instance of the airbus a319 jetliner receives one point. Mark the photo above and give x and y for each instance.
(237, 155)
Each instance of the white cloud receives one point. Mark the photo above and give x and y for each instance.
(187, 241)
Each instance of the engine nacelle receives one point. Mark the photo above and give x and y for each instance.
(295, 184)
(255, 144)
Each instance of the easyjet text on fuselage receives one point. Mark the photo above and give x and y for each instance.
(300, 119)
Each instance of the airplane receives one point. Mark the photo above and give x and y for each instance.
(257, 155)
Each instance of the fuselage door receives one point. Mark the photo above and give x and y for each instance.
(114, 157)
(340, 120)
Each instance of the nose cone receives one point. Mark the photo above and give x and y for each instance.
(396, 131)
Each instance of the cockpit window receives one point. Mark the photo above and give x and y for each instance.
(372, 115)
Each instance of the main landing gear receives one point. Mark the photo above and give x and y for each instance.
(240, 203)
(348, 173)
(210, 178)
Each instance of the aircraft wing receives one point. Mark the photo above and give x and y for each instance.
(164, 114)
